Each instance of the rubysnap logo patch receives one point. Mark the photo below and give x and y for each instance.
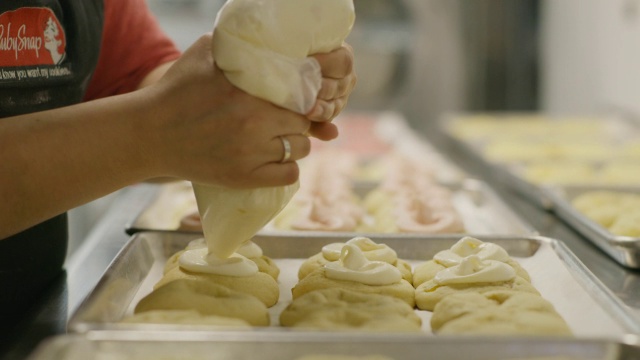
(31, 36)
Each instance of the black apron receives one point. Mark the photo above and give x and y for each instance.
(48, 52)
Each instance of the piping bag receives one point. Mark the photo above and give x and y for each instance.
(263, 48)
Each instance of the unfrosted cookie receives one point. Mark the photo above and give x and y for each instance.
(206, 298)
(345, 309)
(317, 280)
(459, 305)
(267, 266)
(497, 313)
(428, 294)
(260, 285)
(184, 317)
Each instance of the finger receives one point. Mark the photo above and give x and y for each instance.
(287, 122)
(322, 111)
(299, 146)
(323, 131)
(336, 64)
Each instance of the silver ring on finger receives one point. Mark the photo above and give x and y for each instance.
(286, 156)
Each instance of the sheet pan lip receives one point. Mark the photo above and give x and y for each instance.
(55, 344)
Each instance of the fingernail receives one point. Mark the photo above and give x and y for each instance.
(317, 111)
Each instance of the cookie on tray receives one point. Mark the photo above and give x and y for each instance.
(207, 299)
(465, 247)
(471, 275)
(249, 250)
(501, 313)
(353, 271)
(370, 249)
(336, 308)
(184, 317)
(259, 284)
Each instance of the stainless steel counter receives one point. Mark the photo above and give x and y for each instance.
(85, 267)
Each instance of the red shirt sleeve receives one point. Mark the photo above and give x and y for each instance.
(132, 45)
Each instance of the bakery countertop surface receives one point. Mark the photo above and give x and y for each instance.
(85, 267)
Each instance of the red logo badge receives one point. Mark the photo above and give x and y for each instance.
(31, 36)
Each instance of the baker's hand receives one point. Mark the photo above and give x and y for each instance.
(338, 81)
(209, 131)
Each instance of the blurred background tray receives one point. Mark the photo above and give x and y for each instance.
(483, 212)
(532, 151)
(624, 249)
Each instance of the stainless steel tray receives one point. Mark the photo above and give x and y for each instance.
(618, 129)
(559, 276)
(625, 250)
(229, 346)
(482, 210)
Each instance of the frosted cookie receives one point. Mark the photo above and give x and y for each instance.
(471, 275)
(408, 201)
(465, 247)
(207, 299)
(184, 317)
(326, 200)
(497, 313)
(354, 272)
(338, 308)
(237, 273)
(249, 250)
(371, 250)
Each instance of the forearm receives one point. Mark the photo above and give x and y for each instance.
(55, 160)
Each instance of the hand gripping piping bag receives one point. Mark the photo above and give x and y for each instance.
(263, 48)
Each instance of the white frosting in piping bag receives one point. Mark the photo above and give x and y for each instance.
(263, 47)
(200, 260)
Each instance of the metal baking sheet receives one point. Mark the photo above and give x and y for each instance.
(482, 211)
(559, 276)
(625, 250)
(221, 346)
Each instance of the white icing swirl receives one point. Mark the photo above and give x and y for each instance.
(196, 244)
(473, 270)
(249, 249)
(470, 246)
(201, 261)
(354, 266)
(371, 250)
